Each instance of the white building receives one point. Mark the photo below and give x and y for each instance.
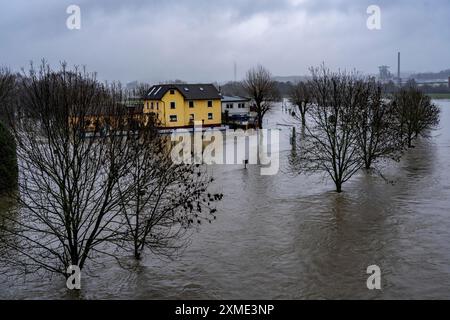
(236, 110)
(234, 105)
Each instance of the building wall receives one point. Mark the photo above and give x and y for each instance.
(178, 99)
(236, 109)
(156, 107)
(182, 111)
(201, 110)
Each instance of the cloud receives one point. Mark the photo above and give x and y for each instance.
(199, 40)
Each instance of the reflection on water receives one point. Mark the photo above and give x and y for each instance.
(290, 237)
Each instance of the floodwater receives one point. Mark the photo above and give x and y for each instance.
(292, 237)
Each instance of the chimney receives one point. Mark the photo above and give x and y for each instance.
(398, 70)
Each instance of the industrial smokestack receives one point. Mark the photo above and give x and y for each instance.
(398, 70)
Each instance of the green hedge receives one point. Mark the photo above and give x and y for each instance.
(8, 161)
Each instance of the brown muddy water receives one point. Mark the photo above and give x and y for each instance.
(291, 237)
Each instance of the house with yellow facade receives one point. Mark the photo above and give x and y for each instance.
(179, 105)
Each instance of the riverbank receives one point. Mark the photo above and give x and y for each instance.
(439, 96)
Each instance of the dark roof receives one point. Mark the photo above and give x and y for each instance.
(234, 99)
(189, 91)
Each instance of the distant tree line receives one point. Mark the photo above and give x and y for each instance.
(444, 74)
(235, 88)
(391, 87)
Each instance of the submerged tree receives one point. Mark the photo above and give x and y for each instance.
(88, 179)
(415, 113)
(300, 96)
(261, 88)
(376, 126)
(330, 144)
(68, 196)
(166, 200)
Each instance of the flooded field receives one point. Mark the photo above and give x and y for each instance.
(291, 237)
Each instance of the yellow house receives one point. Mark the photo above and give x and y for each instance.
(179, 105)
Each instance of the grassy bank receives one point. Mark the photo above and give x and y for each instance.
(439, 95)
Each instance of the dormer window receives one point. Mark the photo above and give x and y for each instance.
(172, 91)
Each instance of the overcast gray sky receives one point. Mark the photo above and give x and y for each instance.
(198, 40)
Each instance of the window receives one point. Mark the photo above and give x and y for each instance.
(210, 116)
(151, 105)
(157, 106)
(229, 106)
(173, 118)
(191, 117)
(241, 106)
(172, 105)
(209, 104)
(172, 91)
(191, 104)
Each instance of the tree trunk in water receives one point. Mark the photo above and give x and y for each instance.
(260, 120)
(338, 187)
(137, 254)
(367, 164)
(409, 142)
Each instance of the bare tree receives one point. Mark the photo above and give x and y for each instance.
(330, 144)
(415, 113)
(300, 97)
(89, 181)
(376, 126)
(261, 88)
(167, 198)
(69, 198)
